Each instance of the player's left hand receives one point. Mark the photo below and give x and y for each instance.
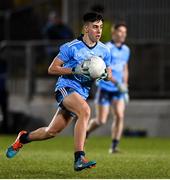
(126, 98)
(122, 87)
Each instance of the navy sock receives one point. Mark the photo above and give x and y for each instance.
(78, 154)
(115, 143)
(24, 139)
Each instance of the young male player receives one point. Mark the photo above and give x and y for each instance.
(112, 93)
(72, 89)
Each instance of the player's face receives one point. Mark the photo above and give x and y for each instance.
(94, 30)
(121, 34)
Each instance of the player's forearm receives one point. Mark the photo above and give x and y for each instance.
(125, 80)
(126, 75)
(110, 77)
(59, 71)
(113, 80)
(56, 68)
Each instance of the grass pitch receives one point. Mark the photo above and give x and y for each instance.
(140, 158)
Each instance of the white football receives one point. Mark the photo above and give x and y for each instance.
(96, 67)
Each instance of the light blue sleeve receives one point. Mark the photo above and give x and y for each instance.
(64, 53)
(127, 54)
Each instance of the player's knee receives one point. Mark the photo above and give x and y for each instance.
(101, 122)
(120, 118)
(85, 112)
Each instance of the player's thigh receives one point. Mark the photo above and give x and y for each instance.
(76, 104)
(60, 120)
(103, 102)
(102, 113)
(118, 108)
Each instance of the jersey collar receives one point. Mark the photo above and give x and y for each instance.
(80, 38)
(119, 47)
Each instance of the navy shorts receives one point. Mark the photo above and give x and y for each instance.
(60, 94)
(104, 97)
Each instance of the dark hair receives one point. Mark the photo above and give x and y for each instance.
(92, 17)
(117, 25)
(98, 8)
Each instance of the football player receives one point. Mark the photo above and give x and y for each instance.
(72, 90)
(113, 94)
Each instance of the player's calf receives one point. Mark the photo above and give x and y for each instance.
(94, 124)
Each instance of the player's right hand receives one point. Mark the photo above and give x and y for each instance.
(122, 87)
(81, 69)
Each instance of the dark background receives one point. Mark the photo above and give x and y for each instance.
(148, 39)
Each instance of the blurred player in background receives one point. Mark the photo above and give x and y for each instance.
(72, 89)
(114, 93)
(54, 30)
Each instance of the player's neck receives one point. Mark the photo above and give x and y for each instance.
(87, 40)
(116, 42)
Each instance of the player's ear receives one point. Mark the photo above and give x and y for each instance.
(86, 28)
(112, 29)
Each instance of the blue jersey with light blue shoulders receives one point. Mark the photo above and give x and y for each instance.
(74, 53)
(119, 58)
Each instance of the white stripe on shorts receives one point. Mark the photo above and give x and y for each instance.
(63, 92)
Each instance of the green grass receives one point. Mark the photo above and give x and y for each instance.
(140, 158)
